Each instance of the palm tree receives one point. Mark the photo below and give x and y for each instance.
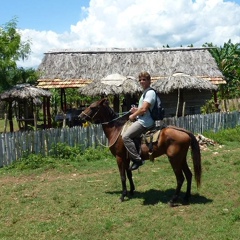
(228, 60)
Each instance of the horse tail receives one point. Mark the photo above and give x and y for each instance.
(196, 156)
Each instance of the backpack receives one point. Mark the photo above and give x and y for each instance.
(157, 113)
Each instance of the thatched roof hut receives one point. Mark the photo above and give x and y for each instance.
(182, 81)
(95, 64)
(24, 91)
(25, 97)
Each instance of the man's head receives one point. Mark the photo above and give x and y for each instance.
(144, 79)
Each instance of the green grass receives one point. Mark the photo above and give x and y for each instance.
(2, 122)
(75, 195)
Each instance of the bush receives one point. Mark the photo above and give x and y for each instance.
(32, 161)
(62, 154)
(224, 136)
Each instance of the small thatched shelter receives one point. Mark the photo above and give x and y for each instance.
(25, 98)
(62, 84)
(113, 84)
(183, 90)
(96, 64)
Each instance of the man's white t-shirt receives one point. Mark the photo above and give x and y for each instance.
(146, 119)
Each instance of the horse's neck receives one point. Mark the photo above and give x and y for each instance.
(113, 130)
(112, 127)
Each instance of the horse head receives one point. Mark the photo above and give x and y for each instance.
(98, 112)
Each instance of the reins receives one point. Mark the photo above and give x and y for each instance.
(111, 144)
(124, 114)
(105, 123)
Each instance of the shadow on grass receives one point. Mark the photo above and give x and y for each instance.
(152, 197)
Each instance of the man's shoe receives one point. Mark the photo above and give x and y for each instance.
(136, 165)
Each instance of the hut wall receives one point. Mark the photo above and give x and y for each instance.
(194, 100)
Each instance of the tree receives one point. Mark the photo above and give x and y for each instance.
(12, 49)
(228, 61)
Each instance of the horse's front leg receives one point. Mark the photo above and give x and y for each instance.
(122, 172)
(129, 175)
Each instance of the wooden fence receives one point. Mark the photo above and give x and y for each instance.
(15, 145)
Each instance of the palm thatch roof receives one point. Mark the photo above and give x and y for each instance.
(182, 81)
(112, 84)
(58, 83)
(95, 64)
(24, 91)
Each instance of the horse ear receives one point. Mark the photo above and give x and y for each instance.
(102, 101)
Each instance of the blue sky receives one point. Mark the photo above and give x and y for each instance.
(55, 15)
(85, 24)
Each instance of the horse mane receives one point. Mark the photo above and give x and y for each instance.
(120, 121)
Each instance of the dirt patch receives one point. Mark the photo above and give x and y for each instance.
(50, 176)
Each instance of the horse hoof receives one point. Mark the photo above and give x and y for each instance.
(186, 201)
(131, 193)
(121, 199)
(171, 204)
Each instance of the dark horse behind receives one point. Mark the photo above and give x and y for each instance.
(172, 141)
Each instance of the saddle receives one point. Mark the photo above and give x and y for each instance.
(148, 138)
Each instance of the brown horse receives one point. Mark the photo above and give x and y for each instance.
(173, 141)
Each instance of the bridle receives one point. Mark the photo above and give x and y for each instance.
(91, 118)
(105, 123)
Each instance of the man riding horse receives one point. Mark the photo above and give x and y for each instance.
(142, 118)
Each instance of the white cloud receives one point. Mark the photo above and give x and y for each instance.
(141, 23)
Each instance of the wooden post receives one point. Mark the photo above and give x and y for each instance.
(5, 122)
(178, 102)
(61, 95)
(26, 116)
(116, 103)
(44, 112)
(183, 109)
(10, 116)
(64, 120)
(35, 120)
(49, 113)
(63, 100)
(216, 101)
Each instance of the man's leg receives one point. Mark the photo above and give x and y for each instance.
(135, 130)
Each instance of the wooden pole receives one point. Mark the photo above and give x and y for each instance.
(49, 113)
(183, 109)
(64, 120)
(178, 102)
(116, 103)
(44, 112)
(35, 120)
(10, 116)
(65, 100)
(5, 122)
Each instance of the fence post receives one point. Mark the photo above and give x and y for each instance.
(5, 122)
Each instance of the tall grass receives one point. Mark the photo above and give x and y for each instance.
(225, 136)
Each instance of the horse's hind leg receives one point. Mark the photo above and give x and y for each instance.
(177, 168)
(188, 175)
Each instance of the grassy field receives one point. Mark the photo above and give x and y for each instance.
(76, 196)
(2, 123)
